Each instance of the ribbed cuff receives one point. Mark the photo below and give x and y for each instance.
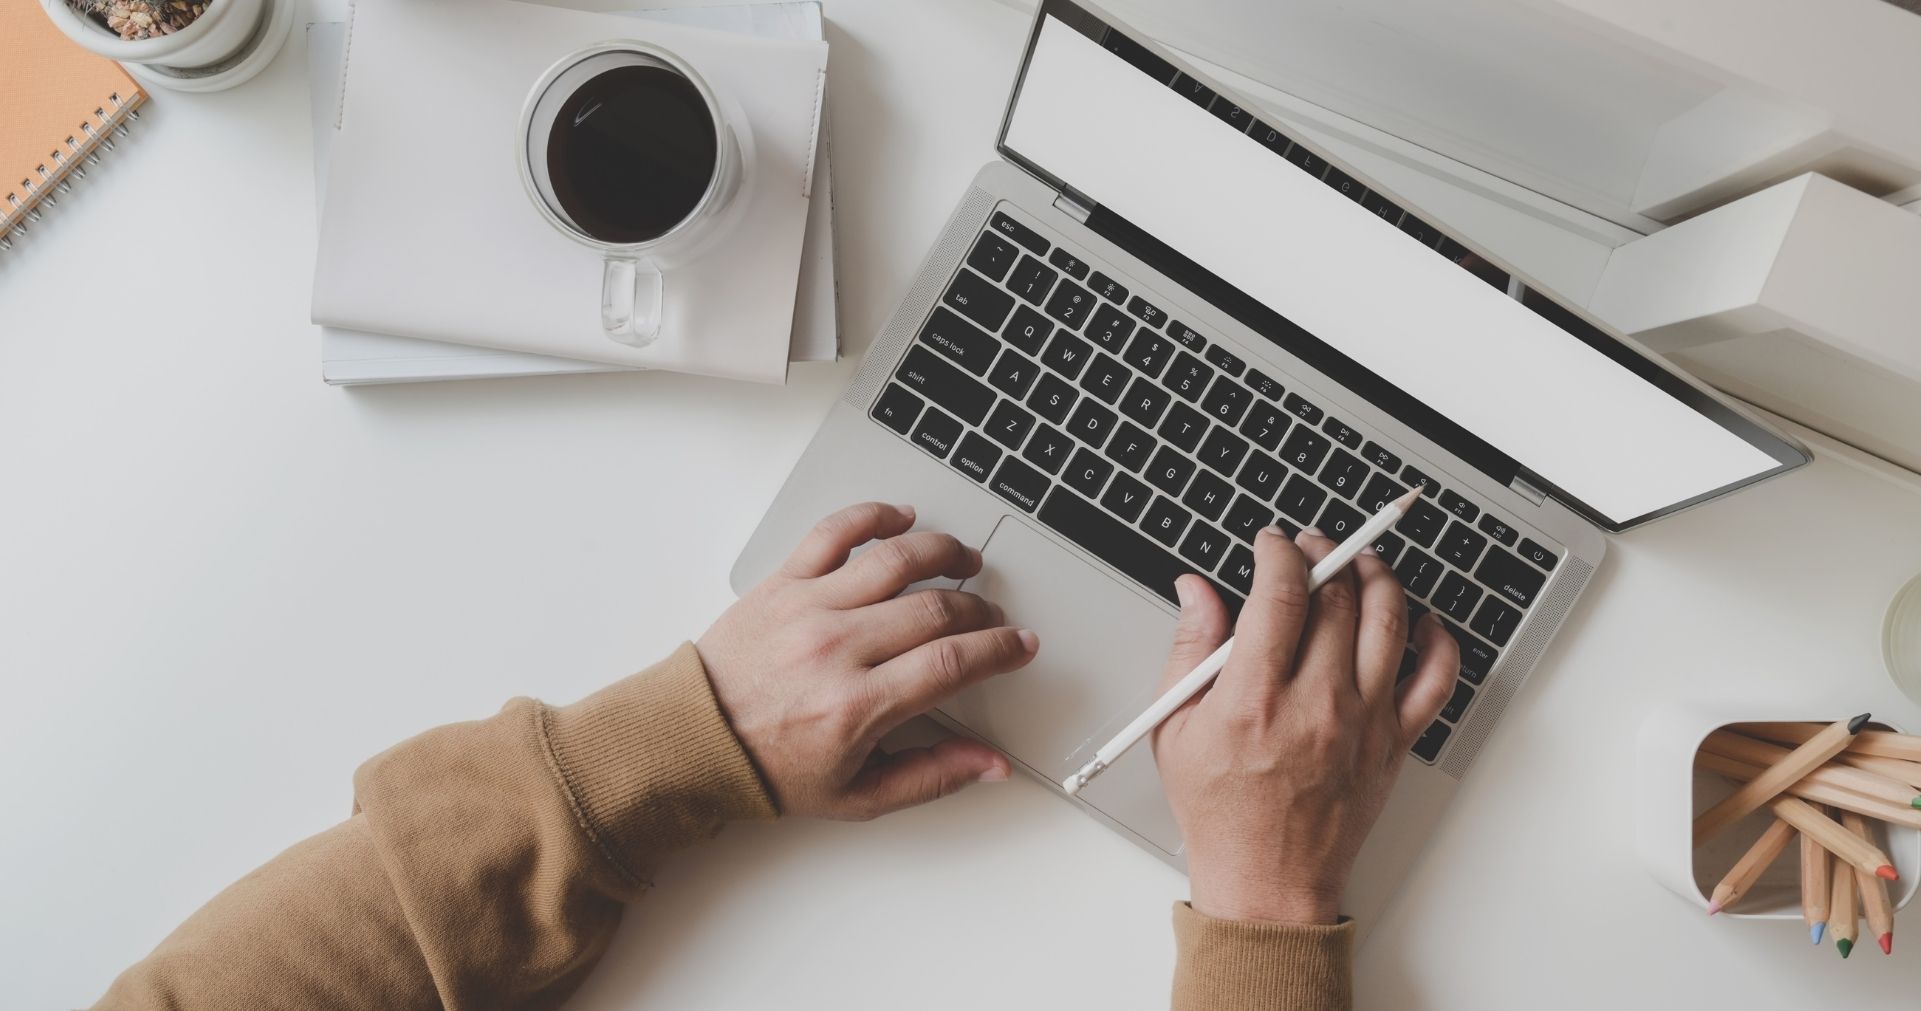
(650, 763)
(1251, 964)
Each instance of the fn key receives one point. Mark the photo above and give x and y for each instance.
(897, 409)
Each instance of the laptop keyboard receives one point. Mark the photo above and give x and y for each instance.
(1161, 452)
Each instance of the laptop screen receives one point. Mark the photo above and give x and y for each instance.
(1349, 281)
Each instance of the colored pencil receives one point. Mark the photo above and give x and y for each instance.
(1779, 776)
(1832, 836)
(1877, 743)
(1755, 752)
(1816, 863)
(1757, 859)
(1816, 792)
(1844, 923)
(1891, 768)
(1874, 891)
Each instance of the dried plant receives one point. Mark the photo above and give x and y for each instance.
(134, 20)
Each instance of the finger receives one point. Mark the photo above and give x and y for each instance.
(1327, 644)
(1269, 630)
(925, 676)
(1382, 631)
(1421, 696)
(825, 547)
(896, 563)
(892, 627)
(1201, 630)
(917, 775)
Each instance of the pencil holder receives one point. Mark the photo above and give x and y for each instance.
(1672, 793)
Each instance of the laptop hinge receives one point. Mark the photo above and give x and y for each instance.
(1070, 204)
(1525, 488)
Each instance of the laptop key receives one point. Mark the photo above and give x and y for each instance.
(1410, 662)
(1193, 90)
(933, 378)
(1126, 497)
(1261, 475)
(1105, 378)
(1020, 233)
(1204, 546)
(1009, 425)
(1477, 657)
(1184, 427)
(1307, 161)
(992, 255)
(1428, 748)
(1344, 473)
(1187, 335)
(1492, 526)
(937, 432)
(976, 298)
(1223, 450)
(1145, 400)
(1013, 374)
(1109, 327)
(1020, 484)
(1420, 231)
(1188, 377)
(1239, 570)
(1113, 542)
(1381, 207)
(1301, 499)
(1460, 547)
(1264, 385)
(976, 456)
(1066, 354)
(1070, 304)
(1344, 184)
(1028, 330)
(1164, 521)
(1091, 423)
(1496, 621)
(1422, 524)
(1338, 521)
(1430, 488)
(1169, 471)
(1380, 490)
(1087, 473)
(1052, 398)
(1226, 401)
(1225, 360)
(1131, 447)
(1149, 352)
(1270, 138)
(1388, 547)
(1377, 455)
(1071, 265)
(1032, 280)
(1231, 114)
(1048, 449)
(959, 341)
(1458, 702)
(1302, 408)
(1147, 312)
(1208, 495)
(1510, 577)
(1541, 556)
(1418, 571)
(897, 409)
(1455, 597)
(1342, 434)
(1304, 450)
(1107, 288)
(1459, 506)
(1246, 517)
(1265, 424)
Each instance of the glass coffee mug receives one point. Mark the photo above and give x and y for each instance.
(627, 150)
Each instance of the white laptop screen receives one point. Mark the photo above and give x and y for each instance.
(1585, 414)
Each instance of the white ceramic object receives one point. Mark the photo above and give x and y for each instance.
(225, 46)
(1672, 793)
(1901, 639)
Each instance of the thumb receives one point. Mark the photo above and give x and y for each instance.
(914, 776)
(1201, 630)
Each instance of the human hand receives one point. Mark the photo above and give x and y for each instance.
(815, 664)
(1277, 772)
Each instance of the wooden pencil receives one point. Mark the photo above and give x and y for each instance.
(1878, 743)
(1844, 923)
(1748, 799)
(1812, 791)
(1758, 858)
(1832, 836)
(1891, 768)
(1757, 752)
(1874, 891)
(1816, 863)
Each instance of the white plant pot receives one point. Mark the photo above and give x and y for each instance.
(225, 46)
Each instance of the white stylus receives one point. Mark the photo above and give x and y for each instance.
(1200, 676)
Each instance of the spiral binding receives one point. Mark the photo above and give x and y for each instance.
(56, 174)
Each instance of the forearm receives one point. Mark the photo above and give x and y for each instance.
(1232, 964)
(486, 865)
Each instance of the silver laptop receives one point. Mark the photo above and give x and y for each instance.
(1157, 324)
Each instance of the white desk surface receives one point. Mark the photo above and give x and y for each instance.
(223, 585)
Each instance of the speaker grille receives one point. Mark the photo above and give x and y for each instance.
(941, 262)
(1514, 667)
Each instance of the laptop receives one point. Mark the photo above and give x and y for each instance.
(1158, 323)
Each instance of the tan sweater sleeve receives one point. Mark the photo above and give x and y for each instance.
(1229, 965)
(485, 866)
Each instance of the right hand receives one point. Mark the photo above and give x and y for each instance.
(815, 664)
(1277, 771)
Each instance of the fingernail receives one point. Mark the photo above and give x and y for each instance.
(997, 774)
(1370, 552)
(1276, 532)
(1313, 532)
(1029, 640)
(906, 510)
(1183, 593)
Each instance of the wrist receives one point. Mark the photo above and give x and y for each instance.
(1265, 897)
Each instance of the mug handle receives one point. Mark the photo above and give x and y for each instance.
(631, 302)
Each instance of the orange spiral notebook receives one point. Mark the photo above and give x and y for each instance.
(60, 106)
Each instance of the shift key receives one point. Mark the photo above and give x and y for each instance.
(945, 385)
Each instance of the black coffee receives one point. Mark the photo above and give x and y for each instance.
(631, 153)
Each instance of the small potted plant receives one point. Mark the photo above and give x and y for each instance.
(188, 45)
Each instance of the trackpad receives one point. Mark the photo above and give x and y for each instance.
(1103, 645)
